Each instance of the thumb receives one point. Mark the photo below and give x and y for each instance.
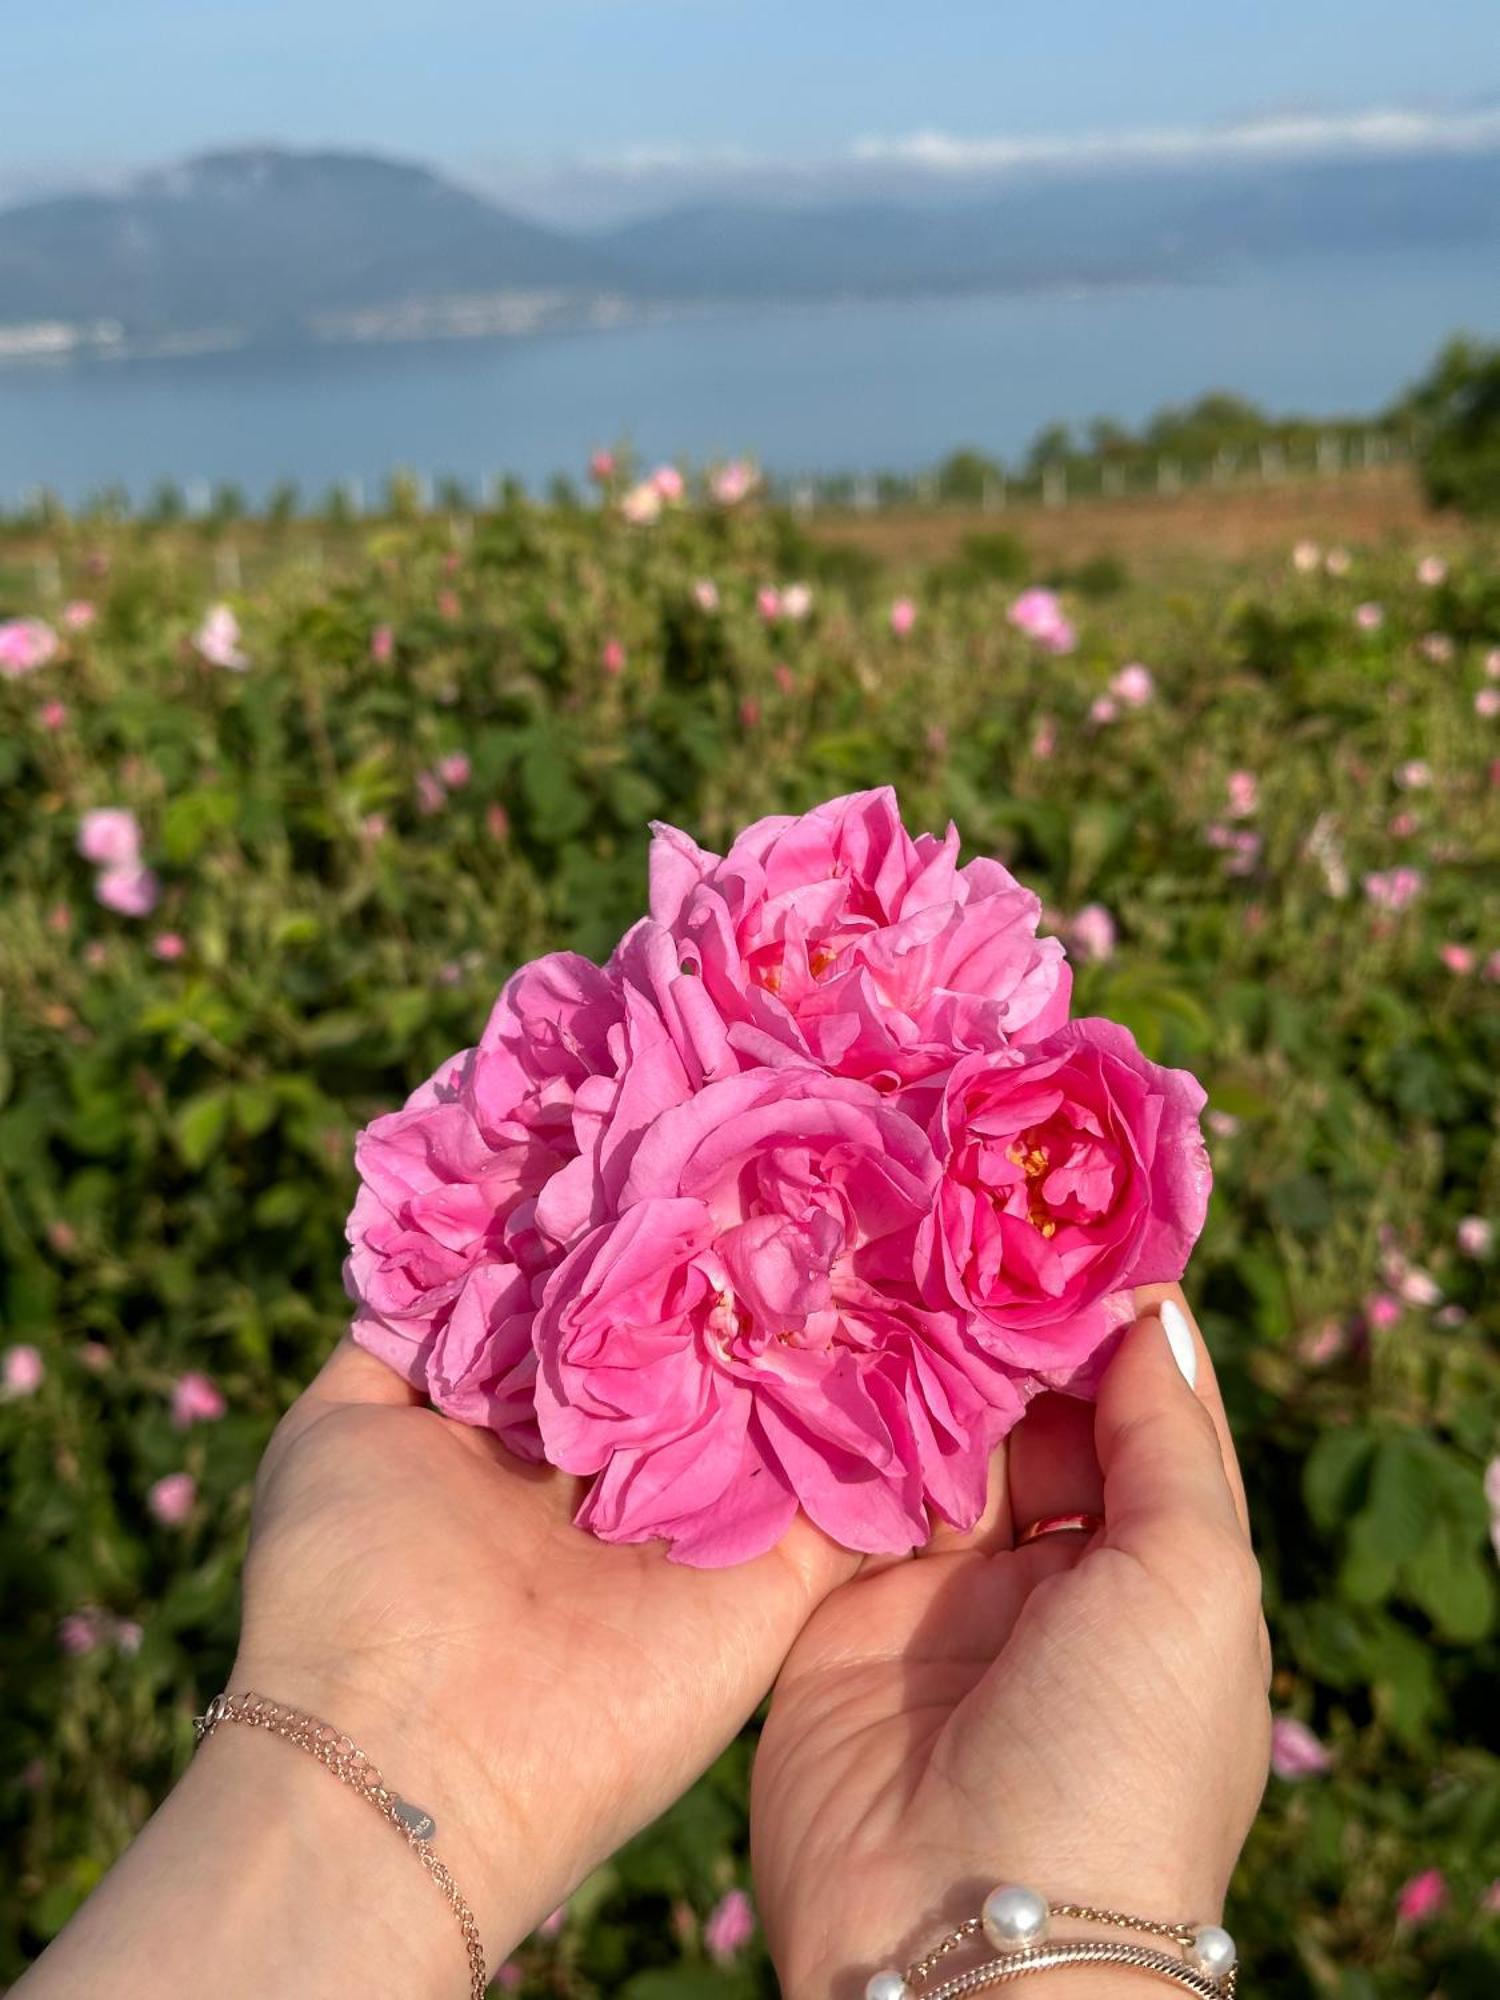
(1158, 1446)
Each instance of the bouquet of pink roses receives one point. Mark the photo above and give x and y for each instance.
(795, 1202)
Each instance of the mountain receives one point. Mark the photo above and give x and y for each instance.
(267, 243)
(1046, 230)
(268, 246)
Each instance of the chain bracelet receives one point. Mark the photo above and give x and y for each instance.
(349, 1764)
(1100, 1951)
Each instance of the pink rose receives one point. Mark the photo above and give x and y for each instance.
(171, 1500)
(218, 640)
(168, 946)
(1091, 934)
(444, 1247)
(1296, 1752)
(22, 1370)
(1476, 1237)
(734, 482)
(1039, 614)
(79, 615)
(196, 1399)
(1423, 1897)
(1243, 789)
(730, 1927)
(706, 595)
(669, 483)
(25, 645)
(79, 1632)
(129, 890)
(110, 837)
(745, 1336)
(382, 645)
(602, 467)
(612, 658)
(903, 616)
(838, 936)
(1072, 1171)
(455, 770)
(1134, 685)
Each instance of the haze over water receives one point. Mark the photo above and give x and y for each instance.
(859, 387)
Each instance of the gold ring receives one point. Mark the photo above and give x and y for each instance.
(1060, 1524)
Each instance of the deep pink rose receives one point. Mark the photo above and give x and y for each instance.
(445, 1252)
(746, 1335)
(838, 937)
(1071, 1171)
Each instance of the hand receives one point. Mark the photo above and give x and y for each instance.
(1087, 1716)
(541, 1694)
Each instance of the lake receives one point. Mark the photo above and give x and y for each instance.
(856, 387)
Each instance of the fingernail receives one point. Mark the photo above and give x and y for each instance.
(1180, 1339)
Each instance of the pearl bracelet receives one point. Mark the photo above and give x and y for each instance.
(1016, 1921)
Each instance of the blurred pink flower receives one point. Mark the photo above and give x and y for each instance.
(1044, 738)
(25, 645)
(455, 770)
(432, 795)
(168, 946)
(669, 484)
(374, 826)
(128, 1635)
(81, 1631)
(1324, 1344)
(1306, 556)
(612, 658)
(1382, 1311)
(1243, 788)
(21, 1370)
(510, 1978)
(706, 595)
(768, 603)
(1458, 958)
(1039, 614)
(602, 467)
(783, 676)
(1369, 617)
(383, 645)
(1436, 647)
(1492, 968)
(1403, 825)
(59, 920)
(196, 1399)
(1422, 1897)
(1489, 1902)
(1431, 571)
(53, 715)
(130, 890)
(1091, 934)
(1418, 1287)
(79, 615)
(1103, 708)
(96, 954)
(1476, 1237)
(1223, 1124)
(171, 1499)
(1133, 685)
(749, 713)
(1396, 889)
(903, 616)
(1296, 1752)
(218, 639)
(796, 602)
(641, 506)
(734, 482)
(1415, 775)
(497, 822)
(1244, 852)
(1487, 703)
(110, 837)
(730, 1927)
(1336, 562)
(448, 604)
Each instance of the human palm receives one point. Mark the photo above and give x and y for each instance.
(542, 1694)
(1086, 1715)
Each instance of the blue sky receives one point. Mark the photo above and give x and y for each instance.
(97, 85)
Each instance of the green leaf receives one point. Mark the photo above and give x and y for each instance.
(1332, 1477)
(1451, 1580)
(201, 1123)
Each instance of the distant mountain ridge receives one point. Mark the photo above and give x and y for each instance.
(265, 246)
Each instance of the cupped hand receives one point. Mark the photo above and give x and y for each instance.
(1083, 1714)
(541, 1694)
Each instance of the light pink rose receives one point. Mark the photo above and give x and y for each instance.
(79, 615)
(836, 935)
(79, 1632)
(168, 946)
(110, 837)
(1306, 556)
(1436, 647)
(706, 595)
(1369, 617)
(1337, 562)
(1487, 704)
(1431, 571)
(171, 1500)
(746, 1336)
(22, 1370)
(602, 467)
(642, 505)
(1103, 708)
(25, 645)
(1396, 889)
(1476, 1237)
(1423, 1897)
(1415, 775)
(669, 483)
(1243, 789)
(1458, 958)
(612, 658)
(1134, 685)
(733, 482)
(196, 1399)
(218, 639)
(129, 890)
(796, 602)
(432, 793)
(444, 1247)
(383, 645)
(53, 715)
(903, 616)
(768, 603)
(1091, 934)
(1296, 1752)
(730, 1927)
(1072, 1171)
(455, 770)
(1039, 614)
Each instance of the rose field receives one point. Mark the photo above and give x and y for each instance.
(282, 805)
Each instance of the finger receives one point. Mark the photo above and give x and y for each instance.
(351, 1374)
(1164, 1473)
(1054, 1466)
(1147, 1300)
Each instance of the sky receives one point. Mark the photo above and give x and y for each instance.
(522, 95)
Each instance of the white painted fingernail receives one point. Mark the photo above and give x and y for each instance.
(1180, 1339)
